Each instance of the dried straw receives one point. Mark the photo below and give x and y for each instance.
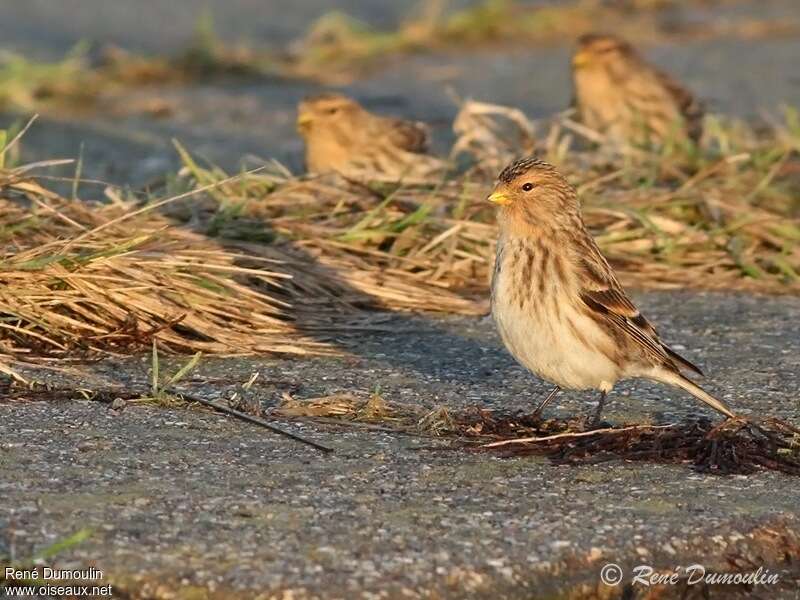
(733, 446)
(293, 255)
(79, 279)
(720, 217)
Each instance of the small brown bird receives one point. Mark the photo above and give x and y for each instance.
(340, 135)
(556, 302)
(620, 94)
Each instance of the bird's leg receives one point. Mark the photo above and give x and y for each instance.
(599, 410)
(545, 402)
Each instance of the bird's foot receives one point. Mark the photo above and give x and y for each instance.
(592, 423)
(603, 424)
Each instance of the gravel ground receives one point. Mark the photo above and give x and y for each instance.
(187, 504)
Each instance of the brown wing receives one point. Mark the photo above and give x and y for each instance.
(690, 107)
(410, 136)
(604, 295)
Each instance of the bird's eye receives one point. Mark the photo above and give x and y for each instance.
(527, 187)
(333, 111)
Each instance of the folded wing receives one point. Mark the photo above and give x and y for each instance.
(603, 294)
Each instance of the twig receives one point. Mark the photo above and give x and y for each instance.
(57, 213)
(19, 135)
(346, 423)
(528, 440)
(600, 180)
(254, 420)
(768, 177)
(192, 398)
(158, 204)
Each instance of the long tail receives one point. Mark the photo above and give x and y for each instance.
(695, 390)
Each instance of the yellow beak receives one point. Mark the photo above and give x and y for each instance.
(581, 59)
(303, 121)
(499, 198)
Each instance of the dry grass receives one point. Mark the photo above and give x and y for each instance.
(280, 260)
(733, 446)
(384, 246)
(723, 216)
(373, 411)
(79, 279)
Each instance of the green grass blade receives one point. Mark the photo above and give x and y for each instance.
(184, 370)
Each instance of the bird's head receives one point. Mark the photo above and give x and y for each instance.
(326, 111)
(600, 50)
(532, 193)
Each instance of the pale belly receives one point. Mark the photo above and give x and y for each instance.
(607, 117)
(549, 348)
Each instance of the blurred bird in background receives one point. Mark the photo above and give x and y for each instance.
(340, 135)
(619, 94)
